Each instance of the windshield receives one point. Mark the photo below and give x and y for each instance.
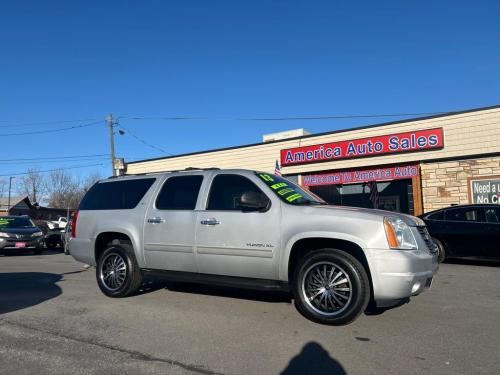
(287, 191)
(15, 222)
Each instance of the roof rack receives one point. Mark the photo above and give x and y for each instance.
(174, 171)
(200, 169)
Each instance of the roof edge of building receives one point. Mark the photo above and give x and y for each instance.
(320, 134)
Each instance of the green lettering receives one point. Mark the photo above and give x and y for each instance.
(285, 191)
(278, 185)
(293, 197)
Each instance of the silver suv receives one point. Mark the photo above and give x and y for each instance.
(250, 229)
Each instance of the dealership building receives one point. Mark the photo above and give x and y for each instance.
(413, 166)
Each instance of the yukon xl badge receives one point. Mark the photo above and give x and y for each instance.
(268, 245)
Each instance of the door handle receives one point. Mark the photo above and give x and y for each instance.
(211, 221)
(156, 220)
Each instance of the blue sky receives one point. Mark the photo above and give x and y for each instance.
(224, 60)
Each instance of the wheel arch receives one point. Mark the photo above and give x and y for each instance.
(300, 246)
(104, 239)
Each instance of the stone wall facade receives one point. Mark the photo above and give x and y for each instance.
(445, 183)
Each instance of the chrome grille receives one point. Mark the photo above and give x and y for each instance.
(427, 239)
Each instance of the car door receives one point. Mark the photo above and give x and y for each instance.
(463, 231)
(169, 228)
(492, 232)
(234, 242)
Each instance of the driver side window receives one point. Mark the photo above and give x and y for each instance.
(226, 191)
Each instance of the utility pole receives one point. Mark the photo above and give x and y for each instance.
(10, 187)
(112, 142)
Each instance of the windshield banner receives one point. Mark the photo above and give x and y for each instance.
(367, 175)
(418, 140)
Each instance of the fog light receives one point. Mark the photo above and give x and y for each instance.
(416, 287)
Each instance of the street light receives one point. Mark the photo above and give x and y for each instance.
(10, 186)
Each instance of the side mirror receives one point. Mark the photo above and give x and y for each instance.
(252, 200)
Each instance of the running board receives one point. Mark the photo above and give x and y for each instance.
(218, 280)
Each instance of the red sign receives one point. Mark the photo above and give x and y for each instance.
(353, 177)
(418, 140)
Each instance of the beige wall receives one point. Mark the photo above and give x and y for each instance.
(465, 134)
(444, 184)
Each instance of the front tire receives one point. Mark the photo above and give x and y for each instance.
(441, 250)
(330, 287)
(118, 274)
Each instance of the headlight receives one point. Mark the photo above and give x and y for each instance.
(37, 234)
(5, 235)
(399, 234)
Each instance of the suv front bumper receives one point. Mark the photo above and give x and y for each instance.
(400, 274)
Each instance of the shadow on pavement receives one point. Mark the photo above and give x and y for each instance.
(474, 262)
(21, 253)
(19, 290)
(373, 310)
(313, 359)
(152, 284)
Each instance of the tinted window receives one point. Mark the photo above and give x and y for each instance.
(116, 195)
(179, 193)
(436, 216)
(463, 214)
(226, 191)
(492, 214)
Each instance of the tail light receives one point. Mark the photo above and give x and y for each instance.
(73, 224)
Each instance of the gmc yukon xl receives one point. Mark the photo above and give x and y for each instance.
(251, 229)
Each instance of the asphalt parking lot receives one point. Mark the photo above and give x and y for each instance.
(54, 320)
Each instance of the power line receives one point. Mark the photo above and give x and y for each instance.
(338, 117)
(56, 157)
(286, 118)
(145, 142)
(46, 122)
(53, 130)
(5, 163)
(51, 170)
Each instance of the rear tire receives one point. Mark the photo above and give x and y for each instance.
(441, 250)
(331, 287)
(118, 274)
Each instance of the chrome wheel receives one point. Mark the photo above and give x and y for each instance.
(113, 272)
(326, 288)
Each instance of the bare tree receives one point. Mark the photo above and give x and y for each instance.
(65, 191)
(61, 187)
(33, 185)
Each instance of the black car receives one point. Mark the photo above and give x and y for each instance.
(54, 238)
(466, 231)
(19, 234)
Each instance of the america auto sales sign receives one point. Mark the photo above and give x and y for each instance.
(418, 140)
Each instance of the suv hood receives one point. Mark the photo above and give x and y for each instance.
(20, 230)
(408, 219)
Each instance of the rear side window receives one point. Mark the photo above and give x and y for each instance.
(179, 193)
(463, 214)
(226, 191)
(116, 195)
(492, 214)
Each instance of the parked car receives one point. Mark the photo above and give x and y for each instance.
(66, 238)
(19, 234)
(54, 238)
(60, 223)
(253, 230)
(466, 231)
